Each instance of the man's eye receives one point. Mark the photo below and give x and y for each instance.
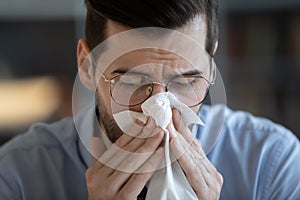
(131, 80)
(183, 81)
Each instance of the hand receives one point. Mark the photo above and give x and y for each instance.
(203, 177)
(124, 169)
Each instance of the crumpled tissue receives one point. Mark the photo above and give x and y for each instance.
(168, 183)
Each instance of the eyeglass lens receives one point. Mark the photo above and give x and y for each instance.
(132, 90)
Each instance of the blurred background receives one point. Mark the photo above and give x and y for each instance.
(259, 58)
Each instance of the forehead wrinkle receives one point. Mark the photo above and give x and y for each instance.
(149, 57)
(172, 63)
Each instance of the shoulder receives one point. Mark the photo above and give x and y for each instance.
(41, 135)
(257, 137)
(45, 152)
(41, 145)
(259, 132)
(256, 156)
(243, 127)
(246, 134)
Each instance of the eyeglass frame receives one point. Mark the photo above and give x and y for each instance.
(163, 83)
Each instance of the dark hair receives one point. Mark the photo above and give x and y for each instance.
(149, 13)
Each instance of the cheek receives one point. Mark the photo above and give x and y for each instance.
(103, 98)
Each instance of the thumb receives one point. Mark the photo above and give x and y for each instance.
(97, 148)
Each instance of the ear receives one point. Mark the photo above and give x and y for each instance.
(216, 48)
(213, 67)
(85, 65)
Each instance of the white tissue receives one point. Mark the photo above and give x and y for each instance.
(159, 107)
(170, 182)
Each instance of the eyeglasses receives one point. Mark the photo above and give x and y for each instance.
(131, 89)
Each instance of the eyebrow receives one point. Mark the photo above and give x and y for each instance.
(124, 71)
(192, 72)
(187, 73)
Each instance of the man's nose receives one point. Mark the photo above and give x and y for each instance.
(158, 88)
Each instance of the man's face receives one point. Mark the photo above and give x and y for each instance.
(158, 65)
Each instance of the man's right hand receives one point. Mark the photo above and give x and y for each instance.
(124, 168)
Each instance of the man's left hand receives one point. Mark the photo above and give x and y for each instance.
(203, 177)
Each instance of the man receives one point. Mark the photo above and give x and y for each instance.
(257, 158)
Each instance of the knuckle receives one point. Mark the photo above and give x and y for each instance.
(160, 133)
(129, 165)
(203, 194)
(100, 193)
(151, 162)
(135, 179)
(147, 147)
(95, 189)
(121, 196)
(138, 179)
(88, 175)
(209, 194)
(125, 194)
(220, 178)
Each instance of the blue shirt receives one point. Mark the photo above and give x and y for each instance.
(257, 158)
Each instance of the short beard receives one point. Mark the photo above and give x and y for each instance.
(106, 120)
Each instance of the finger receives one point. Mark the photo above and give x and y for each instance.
(217, 179)
(129, 162)
(180, 147)
(193, 160)
(148, 129)
(126, 138)
(147, 157)
(188, 157)
(99, 172)
(121, 142)
(153, 162)
(189, 161)
(100, 162)
(117, 153)
(199, 171)
(142, 154)
(181, 127)
(140, 132)
(208, 181)
(138, 180)
(121, 154)
(186, 133)
(177, 120)
(178, 144)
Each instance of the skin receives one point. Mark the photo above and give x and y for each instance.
(104, 182)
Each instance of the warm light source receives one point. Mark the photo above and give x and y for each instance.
(25, 101)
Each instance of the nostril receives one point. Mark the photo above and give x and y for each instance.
(157, 88)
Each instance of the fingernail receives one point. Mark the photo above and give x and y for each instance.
(176, 113)
(149, 122)
(140, 123)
